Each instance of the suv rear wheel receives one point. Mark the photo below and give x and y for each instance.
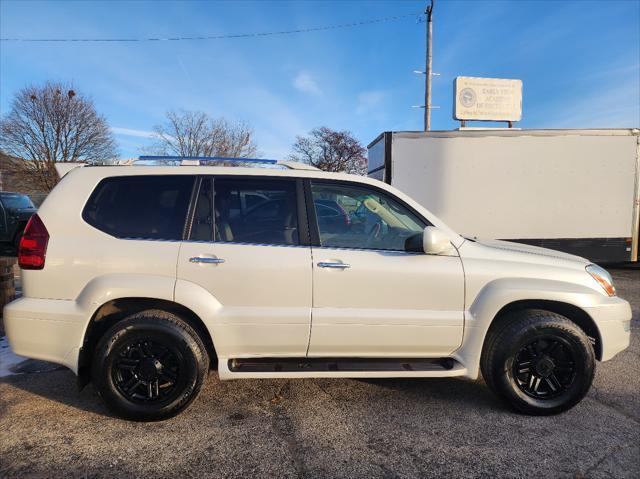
(149, 366)
(540, 362)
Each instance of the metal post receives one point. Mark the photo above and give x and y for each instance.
(428, 74)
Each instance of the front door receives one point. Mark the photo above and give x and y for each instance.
(370, 297)
(248, 250)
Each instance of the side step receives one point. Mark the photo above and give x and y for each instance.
(314, 365)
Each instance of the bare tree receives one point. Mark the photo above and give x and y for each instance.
(331, 150)
(194, 133)
(53, 123)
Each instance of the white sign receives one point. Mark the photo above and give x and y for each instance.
(489, 99)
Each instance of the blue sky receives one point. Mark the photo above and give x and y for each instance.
(579, 62)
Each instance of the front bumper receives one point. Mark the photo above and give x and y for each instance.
(613, 318)
(47, 329)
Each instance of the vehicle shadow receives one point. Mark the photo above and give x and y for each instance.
(60, 386)
(461, 391)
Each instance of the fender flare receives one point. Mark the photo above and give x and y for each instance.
(106, 288)
(497, 294)
(102, 289)
(203, 304)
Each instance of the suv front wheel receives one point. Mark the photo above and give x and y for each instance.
(149, 366)
(540, 362)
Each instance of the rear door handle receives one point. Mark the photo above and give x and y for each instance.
(205, 260)
(333, 264)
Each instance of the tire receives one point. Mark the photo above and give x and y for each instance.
(540, 362)
(149, 366)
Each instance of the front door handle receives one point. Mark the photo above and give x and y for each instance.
(333, 264)
(205, 260)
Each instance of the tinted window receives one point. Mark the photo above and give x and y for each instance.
(256, 211)
(357, 217)
(145, 207)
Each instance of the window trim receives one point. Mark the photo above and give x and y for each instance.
(192, 209)
(314, 231)
(313, 221)
(301, 213)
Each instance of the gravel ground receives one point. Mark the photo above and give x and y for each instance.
(329, 428)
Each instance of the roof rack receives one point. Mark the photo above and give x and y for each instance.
(219, 161)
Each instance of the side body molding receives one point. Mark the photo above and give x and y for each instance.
(501, 292)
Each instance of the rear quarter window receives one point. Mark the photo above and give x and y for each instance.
(141, 207)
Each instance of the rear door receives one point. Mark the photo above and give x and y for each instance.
(248, 247)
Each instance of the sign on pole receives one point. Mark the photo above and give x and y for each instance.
(487, 99)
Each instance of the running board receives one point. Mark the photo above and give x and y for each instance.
(340, 365)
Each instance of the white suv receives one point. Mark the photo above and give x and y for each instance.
(141, 278)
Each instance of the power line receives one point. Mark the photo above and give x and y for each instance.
(218, 37)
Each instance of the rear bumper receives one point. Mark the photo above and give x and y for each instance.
(613, 319)
(46, 329)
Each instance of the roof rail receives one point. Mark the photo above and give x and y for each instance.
(296, 165)
(219, 161)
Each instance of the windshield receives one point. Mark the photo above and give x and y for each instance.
(16, 202)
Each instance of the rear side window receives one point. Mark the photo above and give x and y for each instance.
(142, 207)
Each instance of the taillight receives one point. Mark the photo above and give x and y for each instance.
(33, 244)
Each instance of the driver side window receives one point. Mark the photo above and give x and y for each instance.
(356, 217)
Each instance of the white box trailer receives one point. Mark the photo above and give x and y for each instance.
(576, 191)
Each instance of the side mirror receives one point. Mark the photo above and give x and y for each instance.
(430, 241)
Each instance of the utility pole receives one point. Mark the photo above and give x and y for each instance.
(428, 73)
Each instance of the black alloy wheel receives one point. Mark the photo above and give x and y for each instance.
(545, 367)
(145, 370)
(149, 366)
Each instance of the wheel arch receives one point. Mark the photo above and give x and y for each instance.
(115, 310)
(498, 297)
(570, 311)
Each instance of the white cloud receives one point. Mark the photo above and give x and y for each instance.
(369, 100)
(306, 84)
(131, 132)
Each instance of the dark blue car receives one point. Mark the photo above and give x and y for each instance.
(15, 211)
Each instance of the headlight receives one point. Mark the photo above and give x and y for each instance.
(603, 278)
